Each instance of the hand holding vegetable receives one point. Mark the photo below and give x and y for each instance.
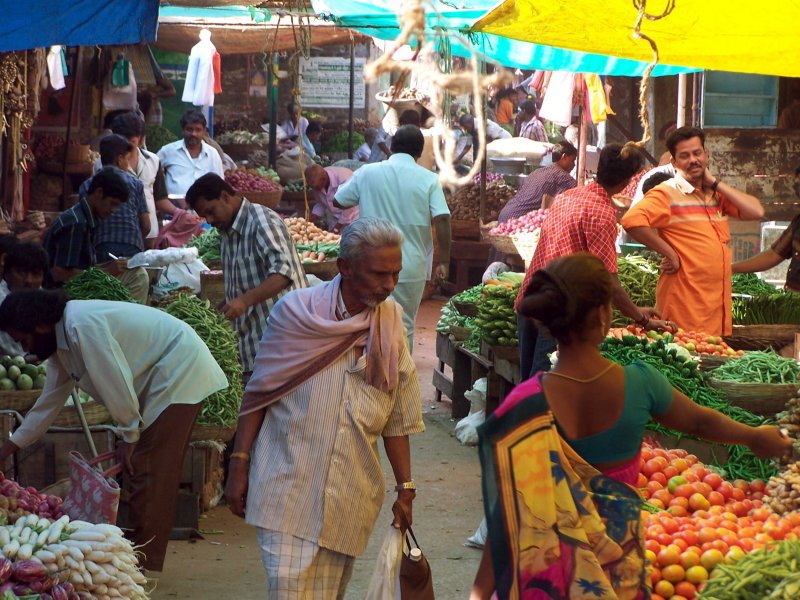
(768, 442)
(234, 308)
(236, 487)
(124, 455)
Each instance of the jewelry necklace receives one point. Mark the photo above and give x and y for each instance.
(589, 380)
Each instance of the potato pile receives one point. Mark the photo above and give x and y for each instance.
(305, 232)
(783, 490)
(466, 201)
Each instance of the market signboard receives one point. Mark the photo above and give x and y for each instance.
(325, 82)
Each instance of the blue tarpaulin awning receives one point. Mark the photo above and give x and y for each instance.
(378, 18)
(43, 23)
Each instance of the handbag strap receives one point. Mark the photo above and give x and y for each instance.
(115, 469)
(410, 532)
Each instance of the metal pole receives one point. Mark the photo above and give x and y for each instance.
(352, 99)
(84, 424)
(583, 137)
(681, 116)
(72, 101)
(272, 86)
(695, 119)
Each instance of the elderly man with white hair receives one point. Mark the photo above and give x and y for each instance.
(333, 374)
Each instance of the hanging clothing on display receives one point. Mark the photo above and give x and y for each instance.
(200, 81)
(119, 89)
(597, 103)
(57, 67)
(557, 103)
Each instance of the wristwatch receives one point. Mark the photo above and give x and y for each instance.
(406, 485)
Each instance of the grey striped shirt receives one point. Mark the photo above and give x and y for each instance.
(257, 245)
(315, 470)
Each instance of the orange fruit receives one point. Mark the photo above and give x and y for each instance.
(711, 558)
(689, 559)
(664, 588)
(668, 556)
(673, 573)
(696, 574)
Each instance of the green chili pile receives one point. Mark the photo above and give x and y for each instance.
(496, 318)
(221, 408)
(779, 308)
(752, 285)
(639, 277)
(686, 378)
(759, 367)
(96, 284)
(208, 245)
(770, 573)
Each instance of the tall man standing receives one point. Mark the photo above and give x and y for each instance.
(188, 159)
(583, 220)
(259, 261)
(334, 373)
(408, 196)
(685, 220)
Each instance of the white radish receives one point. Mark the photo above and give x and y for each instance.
(25, 535)
(55, 532)
(88, 535)
(11, 549)
(31, 520)
(25, 552)
(75, 553)
(71, 563)
(46, 556)
(84, 547)
(76, 578)
(5, 536)
(42, 538)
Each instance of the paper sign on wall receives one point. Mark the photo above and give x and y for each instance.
(325, 82)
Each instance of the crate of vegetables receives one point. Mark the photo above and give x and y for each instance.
(761, 382)
(255, 187)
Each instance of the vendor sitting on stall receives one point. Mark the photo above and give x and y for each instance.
(493, 132)
(325, 182)
(70, 239)
(24, 268)
(148, 368)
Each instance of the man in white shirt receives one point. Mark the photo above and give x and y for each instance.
(150, 370)
(188, 159)
(493, 132)
(365, 149)
(409, 197)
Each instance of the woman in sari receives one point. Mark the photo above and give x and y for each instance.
(561, 455)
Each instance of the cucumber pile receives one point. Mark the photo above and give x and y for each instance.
(16, 374)
(496, 320)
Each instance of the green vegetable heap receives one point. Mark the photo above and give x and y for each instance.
(295, 186)
(752, 285)
(759, 367)
(329, 249)
(496, 320)
(768, 574)
(639, 277)
(221, 408)
(338, 142)
(96, 284)
(779, 308)
(208, 245)
(16, 374)
(685, 377)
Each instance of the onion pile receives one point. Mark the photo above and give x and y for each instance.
(527, 223)
(247, 180)
(490, 177)
(15, 501)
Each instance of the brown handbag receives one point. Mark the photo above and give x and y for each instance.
(416, 581)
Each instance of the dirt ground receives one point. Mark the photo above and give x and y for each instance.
(226, 563)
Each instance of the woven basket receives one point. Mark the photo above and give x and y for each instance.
(202, 433)
(709, 362)
(241, 151)
(502, 243)
(525, 243)
(95, 412)
(758, 398)
(761, 337)
(465, 230)
(324, 270)
(460, 334)
(18, 400)
(467, 309)
(268, 199)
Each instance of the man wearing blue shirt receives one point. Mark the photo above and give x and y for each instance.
(398, 190)
(188, 159)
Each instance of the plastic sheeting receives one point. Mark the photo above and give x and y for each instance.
(42, 23)
(722, 35)
(378, 18)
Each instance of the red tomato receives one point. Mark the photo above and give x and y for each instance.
(716, 499)
(713, 479)
(725, 488)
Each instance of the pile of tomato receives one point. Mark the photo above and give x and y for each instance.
(704, 521)
(696, 342)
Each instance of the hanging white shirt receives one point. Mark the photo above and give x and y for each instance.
(55, 68)
(199, 86)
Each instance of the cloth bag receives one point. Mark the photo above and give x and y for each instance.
(94, 494)
(385, 581)
(416, 581)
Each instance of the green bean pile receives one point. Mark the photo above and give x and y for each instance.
(208, 245)
(752, 285)
(221, 408)
(96, 284)
(779, 308)
(770, 573)
(684, 376)
(759, 367)
(639, 277)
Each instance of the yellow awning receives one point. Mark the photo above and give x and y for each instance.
(723, 35)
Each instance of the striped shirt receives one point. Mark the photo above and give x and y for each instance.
(69, 241)
(551, 180)
(257, 245)
(315, 472)
(122, 227)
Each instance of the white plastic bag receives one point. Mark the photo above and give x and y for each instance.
(163, 258)
(478, 539)
(180, 275)
(385, 582)
(467, 428)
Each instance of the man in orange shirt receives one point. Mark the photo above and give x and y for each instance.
(685, 220)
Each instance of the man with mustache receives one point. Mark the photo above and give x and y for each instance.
(685, 220)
